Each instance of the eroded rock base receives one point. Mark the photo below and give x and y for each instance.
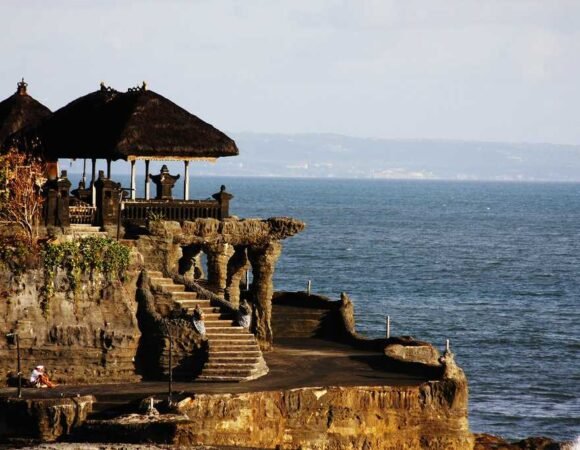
(429, 416)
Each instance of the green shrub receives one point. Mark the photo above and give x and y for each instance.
(90, 255)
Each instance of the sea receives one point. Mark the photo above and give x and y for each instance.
(492, 266)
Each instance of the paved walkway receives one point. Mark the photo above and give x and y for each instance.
(294, 363)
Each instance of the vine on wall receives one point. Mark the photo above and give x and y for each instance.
(88, 256)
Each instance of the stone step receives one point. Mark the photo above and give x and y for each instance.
(217, 315)
(228, 353)
(225, 325)
(89, 233)
(191, 304)
(75, 236)
(84, 227)
(208, 309)
(232, 359)
(168, 286)
(233, 372)
(155, 274)
(222, 335)
(211, 365)
(184, 295)
(220, 379)
(234, 348)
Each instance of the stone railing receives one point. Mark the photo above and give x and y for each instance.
(139, 211)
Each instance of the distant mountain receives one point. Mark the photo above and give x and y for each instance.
(331, 155)
(336, 156)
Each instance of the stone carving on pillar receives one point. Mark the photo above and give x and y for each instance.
(218, 256)
(263, 260)
(237, 267)
(164, 183)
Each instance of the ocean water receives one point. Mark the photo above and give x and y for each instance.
(494, 267)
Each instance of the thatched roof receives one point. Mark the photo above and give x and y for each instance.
(138, 124)
(20, 111)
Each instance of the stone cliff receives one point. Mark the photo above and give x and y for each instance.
(432, 416)
(90, 336)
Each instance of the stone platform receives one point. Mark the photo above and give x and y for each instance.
(293, 363)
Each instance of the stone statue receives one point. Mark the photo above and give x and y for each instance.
(164, 183)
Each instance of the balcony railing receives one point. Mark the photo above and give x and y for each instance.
(139, 211)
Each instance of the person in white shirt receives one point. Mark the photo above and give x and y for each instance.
(39, 379)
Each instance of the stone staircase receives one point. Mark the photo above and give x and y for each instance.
(234, 354)
(80, 231)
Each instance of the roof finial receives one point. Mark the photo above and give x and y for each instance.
(21, 90)
(141, 88)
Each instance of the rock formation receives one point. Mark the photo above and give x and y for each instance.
(231, 245)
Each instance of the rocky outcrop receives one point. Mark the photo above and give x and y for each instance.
(235, 231)
(489, 442)
(44, 420)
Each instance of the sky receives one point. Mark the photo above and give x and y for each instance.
(494, 70)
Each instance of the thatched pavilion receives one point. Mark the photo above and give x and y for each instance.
(135, 125)
(18, 112)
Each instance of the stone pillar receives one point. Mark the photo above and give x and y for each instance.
(133, 184)
(93, 179)
(107, 200)
(223, 198)
(218, 256)
(186, 181)
(263, 260)
(237, 267)
(56, 212)
(147, 185)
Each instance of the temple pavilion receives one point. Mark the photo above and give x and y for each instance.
(138, 124)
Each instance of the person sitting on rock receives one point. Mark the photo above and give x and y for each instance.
(197, 320)
(39, 378)
(244, 317)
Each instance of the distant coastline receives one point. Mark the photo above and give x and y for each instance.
(321, 156)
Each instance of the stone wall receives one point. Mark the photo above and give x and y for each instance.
(87, 337)
(431, 416)
(299, 315)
